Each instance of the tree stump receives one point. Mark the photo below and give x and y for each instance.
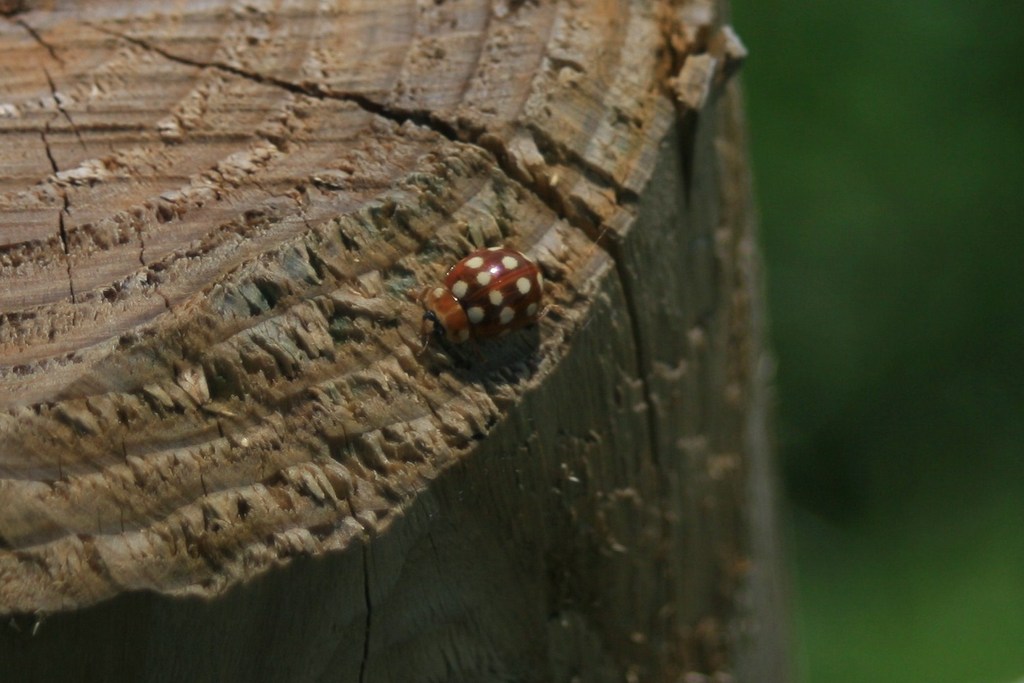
(223, 454)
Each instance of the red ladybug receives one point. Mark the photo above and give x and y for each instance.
(487, 294)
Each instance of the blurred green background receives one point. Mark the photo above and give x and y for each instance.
(888, 149)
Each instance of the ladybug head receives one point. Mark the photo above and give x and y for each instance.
(443, 316)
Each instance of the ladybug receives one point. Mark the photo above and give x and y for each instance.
(487, 294)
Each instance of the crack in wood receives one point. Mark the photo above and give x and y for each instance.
(641, 359)
(142, 262)
(62, 231)
(60, 107)
(366, 603)
(28, 28)
(552, 149)
(66, 207)
(49, 155)
(478, 136)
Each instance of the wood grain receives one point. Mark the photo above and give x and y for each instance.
(211, 218)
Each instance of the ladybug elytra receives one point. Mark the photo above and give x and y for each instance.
(487, 294)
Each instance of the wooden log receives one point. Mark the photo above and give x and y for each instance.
(223, 455)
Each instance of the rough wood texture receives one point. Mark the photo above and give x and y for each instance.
(216, 435)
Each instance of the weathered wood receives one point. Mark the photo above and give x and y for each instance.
(216, 434)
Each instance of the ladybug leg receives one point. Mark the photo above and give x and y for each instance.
(428, 326)
(423, 347)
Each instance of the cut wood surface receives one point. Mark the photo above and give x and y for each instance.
(218, 432)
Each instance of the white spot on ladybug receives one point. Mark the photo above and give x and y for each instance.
(460, 288)
(493, 248)
(463, 334)
(475, 314)
(483, 277)
(475, 262)
(510, 262)
(523, 285)
(438, 292)
(531, 310)
(506, 315)
(495, 297)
